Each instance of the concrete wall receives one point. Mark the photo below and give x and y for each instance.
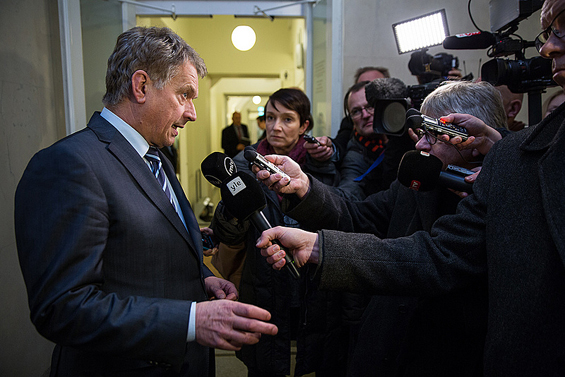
(32, 114)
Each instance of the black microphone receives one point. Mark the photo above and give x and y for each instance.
(470, 41)
(385, 88)
(421, 171)
(217, 167)
(243, 198)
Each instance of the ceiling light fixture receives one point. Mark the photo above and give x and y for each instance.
(243, 37)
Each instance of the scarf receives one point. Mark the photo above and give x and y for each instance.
(298, 153)
(373, 146)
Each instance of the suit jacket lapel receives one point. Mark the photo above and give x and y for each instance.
(131, 160)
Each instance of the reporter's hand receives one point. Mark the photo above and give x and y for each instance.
(299, 183)
(301, 244)
(469, 179)
(454, 74)
(213, 250)
(321, 152)
(228, 324)
(220, 288)
(481, 137)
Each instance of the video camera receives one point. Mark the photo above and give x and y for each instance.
(393, 117)
(431, 72)
(521, 75)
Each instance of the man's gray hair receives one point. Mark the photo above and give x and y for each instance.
(159, 52)
(479, 99)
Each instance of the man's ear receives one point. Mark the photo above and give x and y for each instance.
(139, 82)
(514, 108)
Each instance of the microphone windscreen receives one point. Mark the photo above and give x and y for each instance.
(217, 167)
(469, 41)
(242, 195)
(385, 88)
(419, 170)
(249, 153)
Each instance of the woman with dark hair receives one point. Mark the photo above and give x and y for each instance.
(300, 311)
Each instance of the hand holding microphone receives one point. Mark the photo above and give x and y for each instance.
(241, 194)
(262, 163)
(421, 171)
(243, 197)
(298, 181)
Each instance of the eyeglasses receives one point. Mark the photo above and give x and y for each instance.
(430, 138)
(543, 37)
(357, 112)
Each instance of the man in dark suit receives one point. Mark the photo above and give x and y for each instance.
(235, 137)
(509, 232)
(109, 247)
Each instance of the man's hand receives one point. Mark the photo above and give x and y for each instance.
(220, 288)
(321, 152)
(454, 74)
(228, 324)
(481, 137)
(299, 182)
(469, 179)
(301, 244)
(214, 250)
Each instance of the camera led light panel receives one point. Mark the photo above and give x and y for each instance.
(421, 32)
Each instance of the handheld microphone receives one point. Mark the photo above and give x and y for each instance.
(470, 41)
(421, 171)
(261, 162)
(217, 167)
(243, 197)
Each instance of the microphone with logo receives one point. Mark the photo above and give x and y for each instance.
(244, 199)
(217, 167)
(421, 171)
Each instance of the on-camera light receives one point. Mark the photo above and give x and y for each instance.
(421, 32)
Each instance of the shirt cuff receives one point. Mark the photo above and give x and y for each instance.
(191, 335)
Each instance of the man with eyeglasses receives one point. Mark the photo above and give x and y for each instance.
(364, 169)
(510, 229)
(420, 336)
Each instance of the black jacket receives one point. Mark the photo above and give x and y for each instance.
(406, 335)
(510, 231)
(319, 331)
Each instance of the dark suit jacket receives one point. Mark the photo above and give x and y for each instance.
(510, 229)
(110, 269)
(230, 139)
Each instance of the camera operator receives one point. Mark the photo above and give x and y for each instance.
(418, 336)
(346, 127)
(428, 68)
(369, 165)
(509, 231)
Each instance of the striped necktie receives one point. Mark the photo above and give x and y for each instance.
(157, 168)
